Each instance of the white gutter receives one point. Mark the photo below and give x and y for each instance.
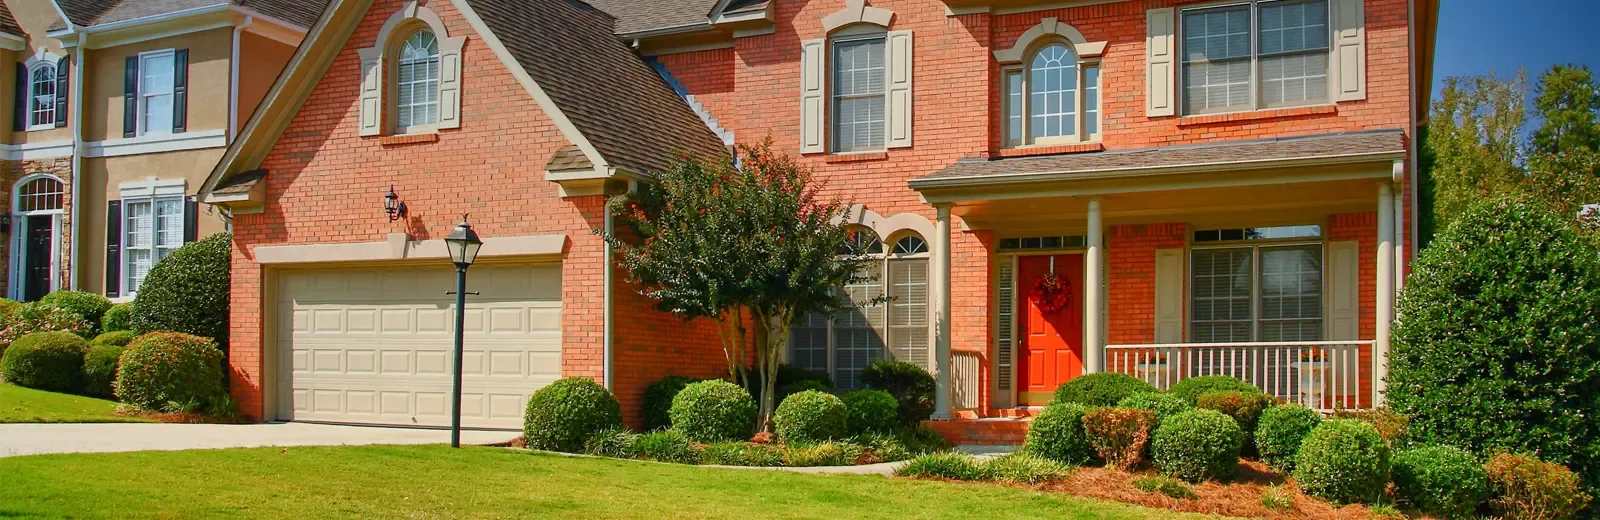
(1415, 229)
(135, 22)
(609, 302)
(1111, 173)
(233, 79)
(75, 105)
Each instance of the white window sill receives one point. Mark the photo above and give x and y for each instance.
(41, 128)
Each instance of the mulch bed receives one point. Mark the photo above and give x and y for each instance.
(181, 418)
(1240, 498)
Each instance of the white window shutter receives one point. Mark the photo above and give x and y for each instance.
(1169, 296)
(811, 96)
(1160, 44)
(371, 99)
(450, 82)
(1344, 291)
(1349, 50)
(899, 113)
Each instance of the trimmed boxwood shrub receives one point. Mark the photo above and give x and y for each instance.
(1393, 426)
(1057, 434)
(1497, 349)
(188, 292)
(810, 416)
(870, 411)
(1343, 461)
(1441, 480)
(1164, 405)
(87, 305)
(172, 371)
(658, 400)
(791, 379)
(666, 446)
(51, 361)
(1280, 431)
(120, 338)
(1101, 389)
(909, 384)
(1244, 407)
(1197, 445)
(116, 318)
(1192, 388)
(100, 370)
(564, 414)
(711, 411)
(808, 385)
(1522, 487)
(1119, 435)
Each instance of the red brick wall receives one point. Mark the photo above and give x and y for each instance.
(1131, 273)
(1362, 228)
(649, 344)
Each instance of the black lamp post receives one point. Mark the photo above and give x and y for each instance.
(463, 244)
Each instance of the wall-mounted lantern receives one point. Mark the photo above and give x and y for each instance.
(393, 206)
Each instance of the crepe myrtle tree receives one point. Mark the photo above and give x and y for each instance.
(752, 246)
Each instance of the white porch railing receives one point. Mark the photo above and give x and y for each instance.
(1323, 375)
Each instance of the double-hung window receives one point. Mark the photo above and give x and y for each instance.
(42, 97)
(157, 92)
(1257, 285)
(864, 334)
(1255, 54)
(860, 83)
(153, 224)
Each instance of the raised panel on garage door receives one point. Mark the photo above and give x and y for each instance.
(373, 345)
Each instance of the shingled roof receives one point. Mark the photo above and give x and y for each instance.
(8, 24)
(89, 13)
(635, 16)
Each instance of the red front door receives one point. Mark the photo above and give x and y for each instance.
(1052, 338)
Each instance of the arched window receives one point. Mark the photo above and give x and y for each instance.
(417, 82)
(42, 97)
(39, 194)
(1051, 82)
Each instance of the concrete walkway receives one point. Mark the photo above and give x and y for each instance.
(37, 439)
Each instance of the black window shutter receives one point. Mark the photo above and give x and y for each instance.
(191, 220)
(130, 97)
(113, 248)
(180, 90)
(19, 113)
(63, 69)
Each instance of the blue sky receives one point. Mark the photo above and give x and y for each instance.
(1527, 33)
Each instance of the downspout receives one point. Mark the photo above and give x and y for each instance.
(75, 106)
(233, 79)
(1414, 230)
(608, 336)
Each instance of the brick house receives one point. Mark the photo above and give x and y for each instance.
(1163, 188)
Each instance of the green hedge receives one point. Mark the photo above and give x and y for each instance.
(89, 306)
(1101, 389)
(912, 386)
(712, 411)
(100, 370)
(658, 400)
(1343, 461)
(1057, 434)
(1197, 445)
(810, 416)
(1280, 431)
(118, 338)
(1192, 388)
(1164, 405)
(188, 292)
(117, 318)
(871, 411)
(51, 361)
(567, 412)
(1441, 481)
(170, 372)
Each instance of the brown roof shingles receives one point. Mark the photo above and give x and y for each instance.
(634, 16)
(89, 13)
(8, 24)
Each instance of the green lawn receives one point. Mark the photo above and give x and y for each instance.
(426, 482)
(26, 405)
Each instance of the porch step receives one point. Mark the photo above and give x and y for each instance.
(993, 431)
(1018, 412)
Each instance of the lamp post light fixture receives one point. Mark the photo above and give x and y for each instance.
(463, 244)
(393, 206)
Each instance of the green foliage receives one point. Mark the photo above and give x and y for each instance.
(1119, 435)
(912, 386)
(831, 453)
(711, 411)
(1024, 468)
(1244, 407)
(886, 447)
(1197, 445)
(1166, 486)
(173, 371)
(921, 439)
(119, 338)
(100, 370)
(1057, 434)
(743, 454)
(117, 318)
(1100, 389)
(1567, 100)
(89, 306)
(1522, 487)
(1343, 461)
(810, 416)
(1280, 431)
(1192, 388)
(870, 411)
(666, 446)
(1393, 426)
(8, 306)
(51, 361)
(1274, 498)
(611, 442)
(188, 292)
(949, 465)
(1497, 348)
(1164, 405)
(566, 413)
(658, 400)
(35, 317)
(1440, 480)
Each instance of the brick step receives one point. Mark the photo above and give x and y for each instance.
(986, 432)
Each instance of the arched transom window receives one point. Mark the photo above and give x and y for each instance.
(41, 194)
(417, 82)
(42, 96)
(863, 334)
(1053, 97)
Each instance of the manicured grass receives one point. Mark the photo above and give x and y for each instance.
(26, 405)
(439, 482)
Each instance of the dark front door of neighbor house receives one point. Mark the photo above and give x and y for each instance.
(1052, 324)
(37, 244)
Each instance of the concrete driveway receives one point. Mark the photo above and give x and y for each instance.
(37, 439)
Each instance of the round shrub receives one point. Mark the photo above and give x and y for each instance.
(119, 338)
(87, 305)
(1280, 431)
(1101, 389)
(1119, 435)
(1057, 434)
(564, 414)
(909, 384)
(658, 400)
(188, 292)
(8, 306)
(809, 385)
(100, 370)
(1497, 349)
(1164, 405)
(51, 361)
(1441, 480)
(870, 411)
(1197, 445)
(1192, 388)
(163, 370)
(116, 318)
(1343, 461)
(711, 411)
(1523, 487)
(790, 379)
(1244, 407)
(810, 416)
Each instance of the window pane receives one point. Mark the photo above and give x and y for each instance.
(1216, 67)
(158, 114)
(1053, 91)
(1091, 100)
(1220, 310)
(42, 102)
(908, 311)
(859, 83)
(1013, 108)
(417, 89)
(139, 237)
(155, 74)
(1291, 293)
(1294, 79)
(858, 332)
(808, 342)
(169, 223)
(1293, 27)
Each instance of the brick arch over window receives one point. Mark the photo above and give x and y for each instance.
(1050, 28)
(379, 66)
(891, 227)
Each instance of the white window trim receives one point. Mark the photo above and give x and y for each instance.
(394, 82)
(142, 96)
(33, 94)
(1255, 105)
(151, 191)
(18, 230)
(1255, 247)
(854, 34)
(1080, 114)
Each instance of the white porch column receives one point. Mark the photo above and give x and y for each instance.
(941, 302)
(1092, 311)
(1385, 289)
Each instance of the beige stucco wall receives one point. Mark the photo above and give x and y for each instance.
(260, 61)
(102, 178)
(35, 18)
(209, 52)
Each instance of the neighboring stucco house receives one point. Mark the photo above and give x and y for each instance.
(1163, 188)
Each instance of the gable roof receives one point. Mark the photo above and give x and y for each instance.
(8, 24)
(89, 13)
(636, 16)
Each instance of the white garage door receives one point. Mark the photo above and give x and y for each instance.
(374, 345)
